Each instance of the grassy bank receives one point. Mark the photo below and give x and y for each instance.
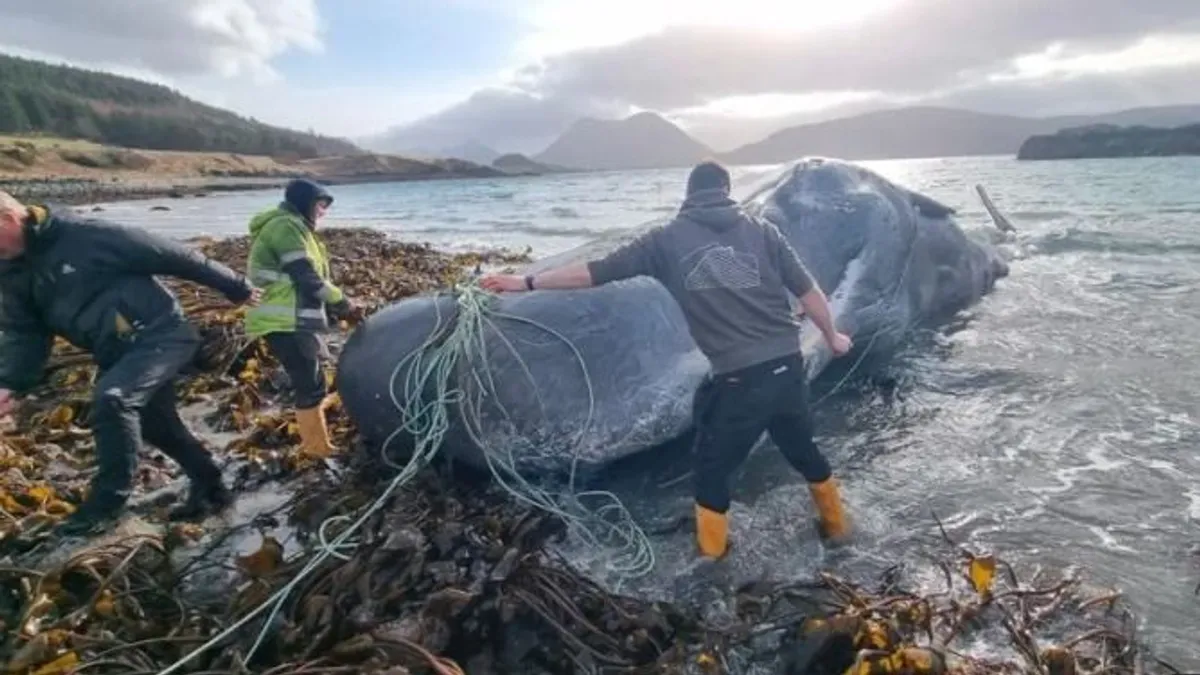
(78, 172)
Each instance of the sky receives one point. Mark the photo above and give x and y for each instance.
(514, 74)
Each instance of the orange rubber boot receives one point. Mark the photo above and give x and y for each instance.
(712, 532)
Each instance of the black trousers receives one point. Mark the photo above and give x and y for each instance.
(301, 354)
(732, 410)
(134, 400)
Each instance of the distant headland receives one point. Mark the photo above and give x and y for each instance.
(1111, 141)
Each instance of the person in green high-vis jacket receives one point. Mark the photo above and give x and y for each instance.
(291, 266)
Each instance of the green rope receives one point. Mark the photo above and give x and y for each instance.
(433, 367)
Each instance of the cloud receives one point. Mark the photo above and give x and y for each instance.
(169, 37)
(913, 46)
(1080, 93)
(730, 74)
(732, 79)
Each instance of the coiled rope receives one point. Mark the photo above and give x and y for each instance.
(434, 366)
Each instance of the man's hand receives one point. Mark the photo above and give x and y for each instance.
(503, 283)
(251, 299)
(840, 344)
(347, 309)
(8, 403)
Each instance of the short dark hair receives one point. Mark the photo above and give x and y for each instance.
(708, 176)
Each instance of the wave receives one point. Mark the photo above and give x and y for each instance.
(1073, 240)
(1036, 216)
(511, 227)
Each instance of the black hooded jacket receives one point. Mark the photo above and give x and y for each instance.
(92, 283)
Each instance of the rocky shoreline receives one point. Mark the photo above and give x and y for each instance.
(84, 191)
(81, 191)
(450, 575)
(76, 172)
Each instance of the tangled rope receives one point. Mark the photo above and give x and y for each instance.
(434, 366)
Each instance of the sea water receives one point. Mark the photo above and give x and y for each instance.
(1059, 425)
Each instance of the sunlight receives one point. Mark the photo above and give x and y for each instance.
(566, 25)
(775, 105)
(1148, 53)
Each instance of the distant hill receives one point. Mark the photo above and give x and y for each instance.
(68, 102)
(518, 164)
(643, 141)
(471, 151)
(1105, 140)
(932, 132)
(413, 145)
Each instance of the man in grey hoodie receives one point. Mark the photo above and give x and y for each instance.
(731, 275)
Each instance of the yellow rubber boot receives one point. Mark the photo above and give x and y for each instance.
(314, 435)
(712, 532)
(827, 499)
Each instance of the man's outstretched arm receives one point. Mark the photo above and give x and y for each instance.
(801, 283)
(24, 348)
(138, 251)
(567, 277)
(816, 306)
(635, 258)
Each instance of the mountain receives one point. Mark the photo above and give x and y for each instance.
(643, 141)
(38, 97)
(1104, 140)
(932, 132)
(515, 164)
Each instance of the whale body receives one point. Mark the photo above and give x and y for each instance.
(890, 260)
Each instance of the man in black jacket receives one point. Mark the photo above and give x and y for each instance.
(93, 283)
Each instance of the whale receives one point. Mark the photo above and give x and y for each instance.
(567, 383)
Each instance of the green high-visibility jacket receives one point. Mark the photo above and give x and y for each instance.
(290, 303)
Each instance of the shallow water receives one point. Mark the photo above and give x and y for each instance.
(1059, 425)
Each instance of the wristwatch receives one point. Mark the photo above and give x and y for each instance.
(529, 282)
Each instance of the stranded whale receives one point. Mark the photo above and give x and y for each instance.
(889, 259)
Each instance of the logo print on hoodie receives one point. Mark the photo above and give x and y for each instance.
(722, 267)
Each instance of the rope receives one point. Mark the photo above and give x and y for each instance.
(434, 366)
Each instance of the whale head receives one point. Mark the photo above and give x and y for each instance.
(889, 259)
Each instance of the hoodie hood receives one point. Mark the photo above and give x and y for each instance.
(40, 228)
(301, 194)
(713, 208)
(259, 221)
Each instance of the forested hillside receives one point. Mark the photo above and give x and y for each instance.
(75, 103)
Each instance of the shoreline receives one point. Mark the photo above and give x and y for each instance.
(87, 192)
(74, 172)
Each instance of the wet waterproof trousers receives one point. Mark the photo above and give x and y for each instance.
(134, 400)
(732, 410)
(301, 354)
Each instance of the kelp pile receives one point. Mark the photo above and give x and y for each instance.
(237, 376)
(451, 575)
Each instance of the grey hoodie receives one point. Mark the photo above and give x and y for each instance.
(730, 273)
